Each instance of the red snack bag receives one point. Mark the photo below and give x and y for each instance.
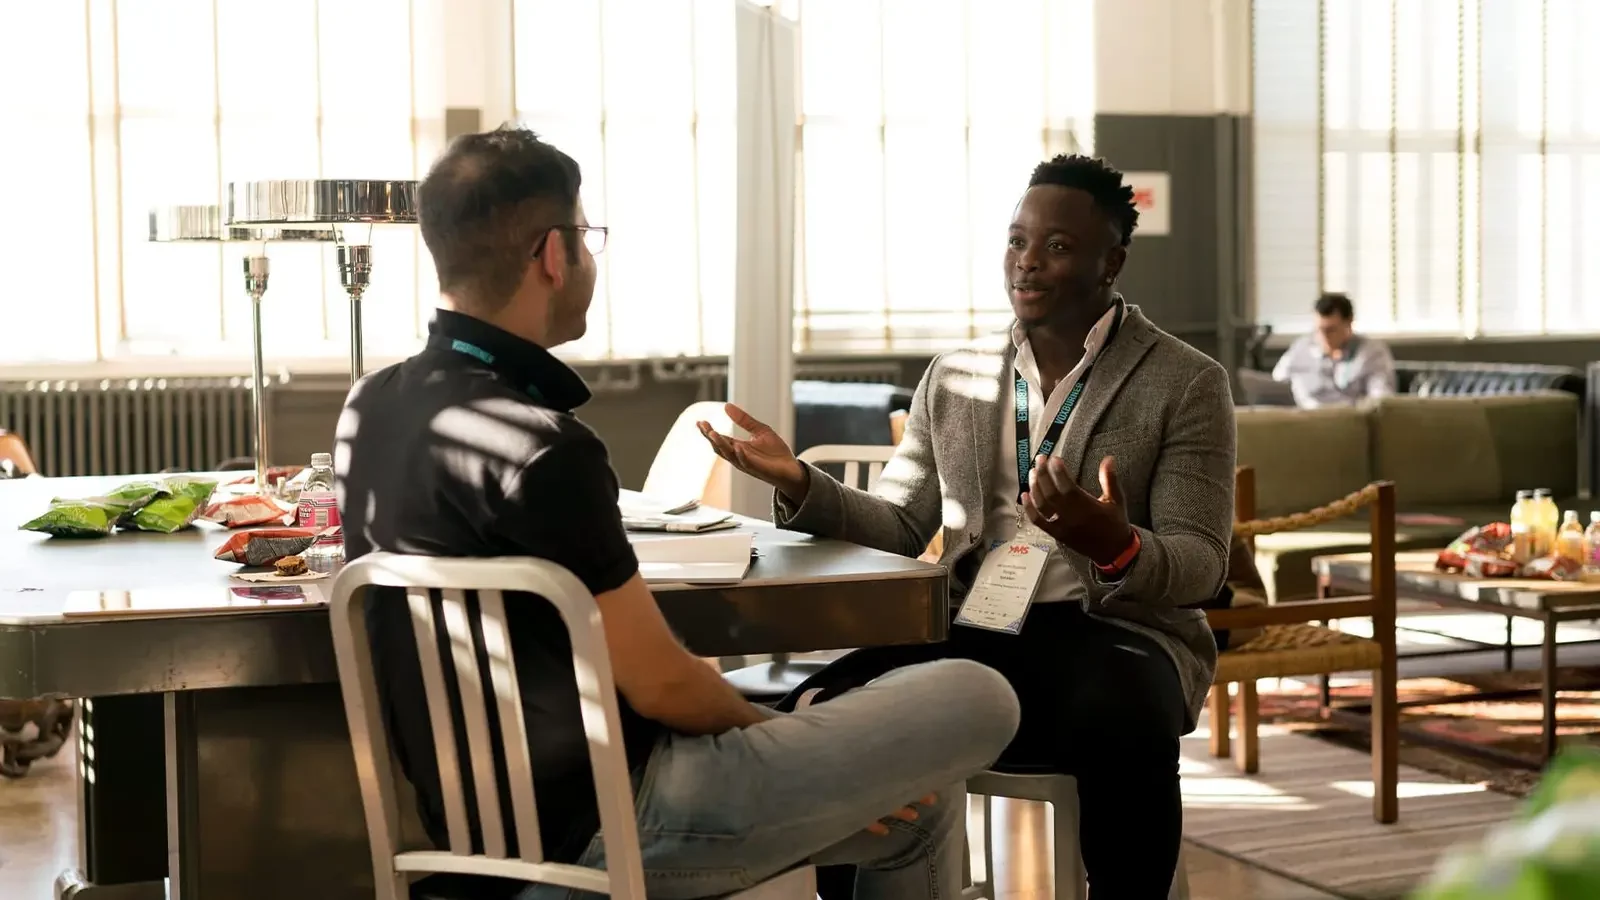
(1555, 568)
(1479, 552)
(241, 511)
(266, 546)
(1488, 565)
(273, 474)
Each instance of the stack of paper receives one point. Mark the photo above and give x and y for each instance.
(641, 513)
(693, 559)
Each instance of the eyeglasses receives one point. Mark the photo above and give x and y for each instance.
(594, 238)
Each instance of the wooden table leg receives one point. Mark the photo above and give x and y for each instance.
(1218, 702)
(1247, 755)
(1547, 690)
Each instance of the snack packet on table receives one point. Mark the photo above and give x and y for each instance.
(1480, 553)
(1555, 568)
(182, 498)
(133, 496)
(76, 518)
(265, 546)
(239, 512)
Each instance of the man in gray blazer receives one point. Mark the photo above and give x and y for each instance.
(1080, 470)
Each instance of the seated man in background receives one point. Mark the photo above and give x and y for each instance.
(1081, 464)
(471, 449)
(1335, 366)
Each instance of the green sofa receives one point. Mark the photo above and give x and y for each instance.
(1464, 457)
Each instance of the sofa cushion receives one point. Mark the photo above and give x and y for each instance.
(1456, 451)
(1303, 458)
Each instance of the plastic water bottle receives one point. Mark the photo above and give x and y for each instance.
(1591, 547)
(319, 508)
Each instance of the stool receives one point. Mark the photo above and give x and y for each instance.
(1061, 792)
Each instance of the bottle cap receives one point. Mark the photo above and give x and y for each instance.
(322, 460)
(1524, 495)
(1539, 492)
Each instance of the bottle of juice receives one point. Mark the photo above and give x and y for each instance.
(1546, 520)
(1591, 546)
(1569, 540)
(1522, 528)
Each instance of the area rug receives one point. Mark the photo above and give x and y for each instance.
(1307, 816)
(1510, 725)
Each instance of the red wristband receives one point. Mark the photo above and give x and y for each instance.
(1125, 558)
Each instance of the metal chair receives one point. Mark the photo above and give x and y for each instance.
(770, 682)
(1061, 792)
(451, 580)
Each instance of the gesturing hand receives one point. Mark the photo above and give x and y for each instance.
(907, 813)
(764, 455)
(1097, 527)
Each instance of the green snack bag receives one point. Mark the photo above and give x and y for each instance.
(130, 497)
(76, 518)
(181, 499)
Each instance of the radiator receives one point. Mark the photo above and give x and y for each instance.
(129, 426)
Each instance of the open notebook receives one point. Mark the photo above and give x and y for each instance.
(722, 558)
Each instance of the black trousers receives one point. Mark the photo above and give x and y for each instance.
(1099, 703)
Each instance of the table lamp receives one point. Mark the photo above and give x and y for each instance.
(203, 224)
(338, 204)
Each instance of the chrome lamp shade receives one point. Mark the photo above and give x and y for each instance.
(338, 203)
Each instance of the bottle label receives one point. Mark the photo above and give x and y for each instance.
(319, 510)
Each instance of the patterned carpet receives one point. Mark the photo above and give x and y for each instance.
(1512, 725)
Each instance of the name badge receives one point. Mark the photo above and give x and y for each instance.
(1004, 588)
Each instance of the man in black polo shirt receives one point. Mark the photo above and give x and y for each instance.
(470, 449)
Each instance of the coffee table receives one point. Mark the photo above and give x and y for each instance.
(1547, 602)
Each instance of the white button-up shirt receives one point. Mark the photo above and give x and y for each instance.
(1059, 582)
(1364, 371)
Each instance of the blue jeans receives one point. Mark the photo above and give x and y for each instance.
(720, 814)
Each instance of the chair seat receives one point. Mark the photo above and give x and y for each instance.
(1041, 785)
(1302, 649)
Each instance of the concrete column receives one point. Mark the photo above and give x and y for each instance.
(1172, 98)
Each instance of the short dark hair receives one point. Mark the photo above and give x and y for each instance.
(484, 203)
(1100, 181)
(1331, 304)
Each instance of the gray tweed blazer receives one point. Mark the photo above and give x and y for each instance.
(1162, 408)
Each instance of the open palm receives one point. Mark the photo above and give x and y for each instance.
(763, 455)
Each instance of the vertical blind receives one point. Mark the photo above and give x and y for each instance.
(1438, 160)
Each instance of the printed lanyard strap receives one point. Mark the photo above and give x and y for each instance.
(478, 353)
(1052, 434)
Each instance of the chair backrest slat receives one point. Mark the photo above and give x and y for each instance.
(444, 739)
(475, 721)
(852, 457)
(454, 581)
(508, 700)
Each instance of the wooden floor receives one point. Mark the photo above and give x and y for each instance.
(38, 838)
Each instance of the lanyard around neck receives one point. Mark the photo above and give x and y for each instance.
(1052, 434)
(467, 348)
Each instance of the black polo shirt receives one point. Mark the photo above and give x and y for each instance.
(470, 449)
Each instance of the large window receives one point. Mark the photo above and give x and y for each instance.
(1438, 160)
(921, 121)
(117, 107)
